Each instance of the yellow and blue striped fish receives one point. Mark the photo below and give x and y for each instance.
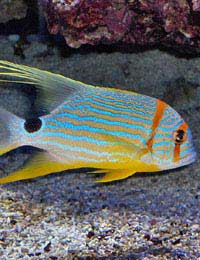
(114, 131)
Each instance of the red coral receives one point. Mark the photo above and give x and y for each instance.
(131, 21)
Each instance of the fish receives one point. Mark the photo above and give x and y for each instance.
(114, 132)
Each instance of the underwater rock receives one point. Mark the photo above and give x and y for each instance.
(196, 5)
(14, 9)
(139, 23)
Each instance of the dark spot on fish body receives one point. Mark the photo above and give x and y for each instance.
(33, 125)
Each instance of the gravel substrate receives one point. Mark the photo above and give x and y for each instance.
(67, 215)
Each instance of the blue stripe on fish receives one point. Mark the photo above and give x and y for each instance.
(100, 120)
(140, 109)
(70, 148)
(118, 99)
(90, 129)
(76, 138)
(118, 115)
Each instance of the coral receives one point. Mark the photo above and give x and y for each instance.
(12, 9)
(136, 22)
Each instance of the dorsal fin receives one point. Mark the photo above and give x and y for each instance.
(52, 89)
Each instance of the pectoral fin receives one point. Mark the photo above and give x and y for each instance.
(40, 164)
(126, 159)
(119, 145)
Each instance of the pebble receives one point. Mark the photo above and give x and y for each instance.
(32, 37)
(18, 228)
(13, 37)
(24, 250)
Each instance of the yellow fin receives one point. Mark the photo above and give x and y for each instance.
(40, 164)
(115, 174)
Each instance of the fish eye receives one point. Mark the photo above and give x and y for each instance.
(179, 136)
(33, 125)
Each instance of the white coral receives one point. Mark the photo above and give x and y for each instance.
(62, 4)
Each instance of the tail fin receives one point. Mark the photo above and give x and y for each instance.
(10, 131)
(52, 88)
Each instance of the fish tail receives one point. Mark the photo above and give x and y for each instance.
(10, 131)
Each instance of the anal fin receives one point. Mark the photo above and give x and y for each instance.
(41, 163)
